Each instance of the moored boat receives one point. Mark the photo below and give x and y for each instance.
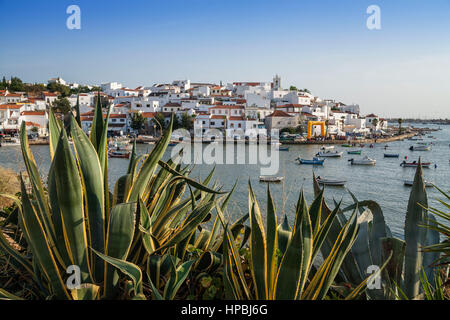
(283, 148)
(420, 148)
(414, 164)
(366, 161)
(354, 152)
(330, 182)
(314, 161)
(270, 179)
(391, 155)
(119, 154)
(332, 154)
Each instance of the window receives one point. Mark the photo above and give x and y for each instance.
(239, 125)
(113, 120)
(213, 123)
(122, 120)
(148, 106)
(203, 122)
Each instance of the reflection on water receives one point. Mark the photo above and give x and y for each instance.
(382, 183)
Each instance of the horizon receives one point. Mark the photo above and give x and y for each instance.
(400, 70)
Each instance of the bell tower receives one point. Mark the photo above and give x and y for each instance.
(276, 82)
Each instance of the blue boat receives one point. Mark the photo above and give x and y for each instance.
(283, 149)
(314, 161)
(391, 155)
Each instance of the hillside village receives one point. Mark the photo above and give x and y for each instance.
(226, 107)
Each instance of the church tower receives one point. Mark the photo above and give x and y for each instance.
(276, 82)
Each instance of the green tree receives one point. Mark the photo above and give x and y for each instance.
(62, 105)
(3, 84)
(16, 85)
(293, 88)
(187, 122)
(375, 124)
(137, 121)
(63, 90)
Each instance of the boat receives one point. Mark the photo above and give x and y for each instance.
(391, 155)
(364, 161)
(270, 179)
(119, 154)
(172, 144)
(409, 183)
(330, 182)
(420, 148)
(9, 142)
(346, 145)
(283, 149)
(327, 148)
(329, 154)
(414, 164)
(354, 152)
(362, 145)
(314, 161)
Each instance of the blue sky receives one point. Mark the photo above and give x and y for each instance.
(401, 70)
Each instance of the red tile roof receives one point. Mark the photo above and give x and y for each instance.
(32, 113)
(279, 113)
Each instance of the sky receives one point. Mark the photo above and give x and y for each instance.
(400, 70)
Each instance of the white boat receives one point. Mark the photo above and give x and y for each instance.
(9, 142)
(327, 148)
(409, 183)
(364, 161)
(333, 154)
(420, 148)
(270, 179)
(330, 182)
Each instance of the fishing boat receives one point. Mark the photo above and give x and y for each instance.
(329, 154)
(119, 154)
(119, 149)
(409, 183)
(366, 161)
(270, 179)
(314, 161)
(346, 145)
(172, 144)
(354, 152)
(330, 182)
(327, 148)
(414, 164)
(283, 149)
(420, 148)
(391, 155)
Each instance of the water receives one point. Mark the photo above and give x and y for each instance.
(382, 183)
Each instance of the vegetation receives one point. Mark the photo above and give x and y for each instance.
(400, 121)
(62, 105)
(9, 184)
(137, 121)
(150, 239)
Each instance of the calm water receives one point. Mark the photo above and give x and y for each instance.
(382, 182)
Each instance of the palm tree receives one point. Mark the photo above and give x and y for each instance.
(375, 124)
(400, 121)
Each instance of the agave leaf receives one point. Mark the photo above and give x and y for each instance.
(37, 239)
(431, 258)
(284, 234)
(394, 269)
(54, 126)
(415, 236)
(88, 291)
(121, 188)
(92, 183)
(70, 200)
(272, 244)
(118, 241)
(5, 295)
(149, 166)
(128, 268)
(258, 248)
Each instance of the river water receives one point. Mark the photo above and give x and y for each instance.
(383, 182)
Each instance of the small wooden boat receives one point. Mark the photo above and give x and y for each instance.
(270, 179)
(314, 161)
(118, 154)
(283, 149)
(366, 161)
(330, 182)
(420, 148)
(414, 164)
(391, 155)
(329, 154)
(409, 183)
(346, 145)
(354, 152)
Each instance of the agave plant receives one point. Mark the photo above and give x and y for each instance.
(74, 220)
(375, 243)
(282, 258)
